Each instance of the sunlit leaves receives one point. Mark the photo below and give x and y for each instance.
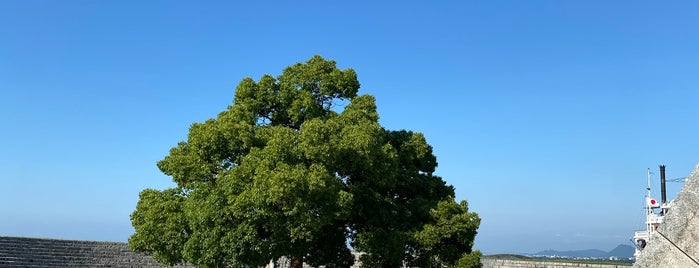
(161, 226)
(448, 239)
(298, 166)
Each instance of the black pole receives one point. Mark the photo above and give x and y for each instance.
(663, 195)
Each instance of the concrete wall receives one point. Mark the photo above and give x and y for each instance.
(285, 263)
(34, 252)
(497, 263)
(500, 263)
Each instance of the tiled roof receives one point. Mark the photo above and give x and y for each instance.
(35, 252)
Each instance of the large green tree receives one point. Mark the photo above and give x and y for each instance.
(299, 167)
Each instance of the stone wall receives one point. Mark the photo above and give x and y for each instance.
(35, 252)
(284, 262)
(681, 226)
(499, 263)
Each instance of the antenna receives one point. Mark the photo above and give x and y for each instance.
(648, 182)
(683, 179)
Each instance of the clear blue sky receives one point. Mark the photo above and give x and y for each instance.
(543, 114)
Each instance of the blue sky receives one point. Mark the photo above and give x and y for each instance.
(544, 115)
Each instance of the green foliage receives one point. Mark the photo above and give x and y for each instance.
(287, 171)
(162, 225)
(448, 239)
(470, 260)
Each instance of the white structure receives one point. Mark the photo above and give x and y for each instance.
(653, 218)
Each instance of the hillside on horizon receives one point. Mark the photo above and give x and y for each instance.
(620, 251)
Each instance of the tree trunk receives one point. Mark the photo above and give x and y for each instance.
(297, 262)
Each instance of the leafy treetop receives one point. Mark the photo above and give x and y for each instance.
(284, 172)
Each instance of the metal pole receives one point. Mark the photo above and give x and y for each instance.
(649, 209)
(663, 196)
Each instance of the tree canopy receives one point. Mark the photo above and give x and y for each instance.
(299, 167)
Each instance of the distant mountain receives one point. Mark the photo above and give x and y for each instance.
(573, 253)
(621, 251)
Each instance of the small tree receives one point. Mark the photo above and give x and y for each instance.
(288, 171)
